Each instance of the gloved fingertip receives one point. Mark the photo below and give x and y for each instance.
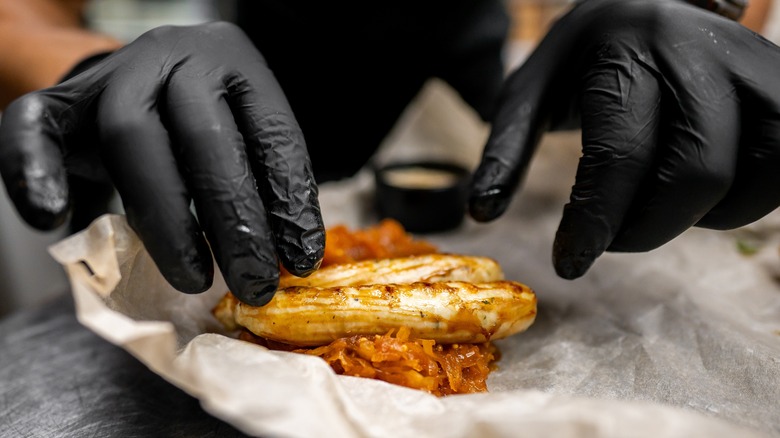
(195, 280)
(489, 204)
(42, 219)
(571, 267)
(304, 266)
(189, 267)
(258, 293)
(572, 257)
(42, 202)
(303, 255)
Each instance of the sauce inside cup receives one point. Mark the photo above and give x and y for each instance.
(419, 177)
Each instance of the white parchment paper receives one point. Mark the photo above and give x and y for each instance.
(681, 341)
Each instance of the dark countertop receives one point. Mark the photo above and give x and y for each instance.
(57, 378)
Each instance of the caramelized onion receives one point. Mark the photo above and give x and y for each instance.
(404, 360)
(396, 357)
(384, 240)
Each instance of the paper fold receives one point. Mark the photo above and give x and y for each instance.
(681, 341)
(285, 394)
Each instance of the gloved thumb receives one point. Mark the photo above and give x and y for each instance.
(528, 98)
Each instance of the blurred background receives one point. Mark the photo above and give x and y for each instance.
(437, 123)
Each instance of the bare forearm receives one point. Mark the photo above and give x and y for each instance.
(40, 40)
(756, 14)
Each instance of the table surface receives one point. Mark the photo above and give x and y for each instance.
(57, 378)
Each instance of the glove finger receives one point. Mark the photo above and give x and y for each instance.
(620, 108)
(282, 167)
(31, 161)
(751, 196)
(212, 153)
(522, 116)
(137, 153)
(695, 169)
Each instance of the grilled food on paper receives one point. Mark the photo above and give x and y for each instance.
(424, 321)
(446, 311)
(444, 297)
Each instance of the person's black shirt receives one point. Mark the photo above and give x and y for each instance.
(349, 69)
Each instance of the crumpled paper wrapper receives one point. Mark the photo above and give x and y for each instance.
(680, 341)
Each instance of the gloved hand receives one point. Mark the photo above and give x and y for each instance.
(181, 114)
(680, 117)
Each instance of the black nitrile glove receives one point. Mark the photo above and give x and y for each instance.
(680, 117)
(181, 114)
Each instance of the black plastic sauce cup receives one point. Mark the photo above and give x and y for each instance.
(424, 196)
